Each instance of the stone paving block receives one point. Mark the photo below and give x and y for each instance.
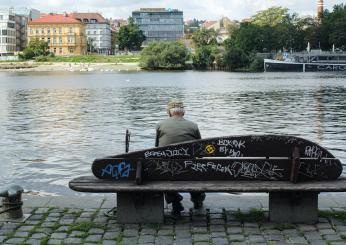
(63, 229)
(21, 234)
(200, 237)
(312, 235)
(164, 240)
(44, 230)
(96, 231)
(59, 235)
(271, 232)
(129, 240)
(201, 243)
(304, 227)
(48, 224)
(110, 235)
(165, 233)
(327, 231)
(146, 239)
(199, 230)
(77, 234)
(32, 222)
(298, 239)
(234, 230)
(256, 238)
(66, 221)
(217, 228)
(251, 231)
(72, 240)
(217, 221)
(220, 241)
(41, 210)
(332, 238)
(336, 243)
(109, 242)
(130, 233)
(183, 234)
(15, 240)
(236, 237)
(33, 242)
(183, 241)
(148, 231)
(218, 234)
(324, 226)
(54, 242)
(39, 235)
(93, 238)
(273, 237)
(2, 238)
(239, 243)
(26, 228)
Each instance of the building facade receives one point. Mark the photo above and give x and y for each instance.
(159, 24)
(7, 32)
(65, 35)
(98, 32)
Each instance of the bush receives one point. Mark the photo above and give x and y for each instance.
(41, 58)
(35, 48)
(256, 64)
(164, 55)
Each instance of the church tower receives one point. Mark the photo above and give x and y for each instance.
(320, 9)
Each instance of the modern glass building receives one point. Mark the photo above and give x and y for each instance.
(159, 24)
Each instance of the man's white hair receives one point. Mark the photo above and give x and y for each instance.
(177, 110)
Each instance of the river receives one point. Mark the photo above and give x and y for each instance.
(53, 125)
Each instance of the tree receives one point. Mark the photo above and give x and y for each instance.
(35, 48)
(270, 17)
(130, 37)
(164, 55)
(334, 27)
(204, 37)
(205, 56)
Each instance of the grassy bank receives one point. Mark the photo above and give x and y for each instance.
(96, 59)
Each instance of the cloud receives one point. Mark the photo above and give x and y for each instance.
(201, 9)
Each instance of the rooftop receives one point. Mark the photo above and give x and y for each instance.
(55, 18)
(89, 17)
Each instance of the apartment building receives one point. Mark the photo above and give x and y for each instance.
(97, 30)
(64, 34)
(7, 32)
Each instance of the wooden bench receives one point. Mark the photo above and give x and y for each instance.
(292, 170)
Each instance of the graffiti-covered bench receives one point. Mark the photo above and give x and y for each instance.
(292, 170)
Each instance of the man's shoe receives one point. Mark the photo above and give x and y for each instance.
(177, 208)
(197, 204)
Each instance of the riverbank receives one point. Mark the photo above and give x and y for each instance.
(224, 220)
(67, 66)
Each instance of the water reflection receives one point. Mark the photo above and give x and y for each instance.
(54, 125)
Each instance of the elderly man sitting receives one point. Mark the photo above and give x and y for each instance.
(176, 129)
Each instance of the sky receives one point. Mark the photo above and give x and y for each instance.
(200, 9)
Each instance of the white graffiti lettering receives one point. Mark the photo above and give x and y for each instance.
(171, 167)
(232, 143)
(167, 153)
(313, 151)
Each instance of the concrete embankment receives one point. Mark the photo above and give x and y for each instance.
(67, 66)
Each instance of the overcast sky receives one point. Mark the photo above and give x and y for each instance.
(200, 9)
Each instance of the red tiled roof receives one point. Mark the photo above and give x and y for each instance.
(95, 16)
(208, 24)
(55, 18)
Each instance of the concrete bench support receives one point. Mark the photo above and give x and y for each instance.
(145, 207)
(293, 207)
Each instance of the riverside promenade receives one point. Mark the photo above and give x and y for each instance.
(225, 219)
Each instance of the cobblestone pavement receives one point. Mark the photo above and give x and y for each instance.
(51, 225)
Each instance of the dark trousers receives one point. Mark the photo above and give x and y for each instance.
(176, 197)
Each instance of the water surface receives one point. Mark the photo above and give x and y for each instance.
(53, 125)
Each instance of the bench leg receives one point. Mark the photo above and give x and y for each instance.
(293, 207)
(135, 207)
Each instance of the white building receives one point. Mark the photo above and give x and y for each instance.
(97, 30)
(7, 32)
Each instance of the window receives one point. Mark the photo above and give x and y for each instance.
(60, 50)
(60, 30)
(54, 40)
(95, 32)
(4, 32)
(37, 31)
(42, 30)
(88, 32)
(48, 40)
(54, 30)
(71, 30)
(31, 31)
(60, 40)
(1, 17)
(54, 50)
(48, 31)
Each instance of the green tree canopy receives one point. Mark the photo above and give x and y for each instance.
(270, 17)
(204, 37)
(35, 48)
(130, 37)
(164, 55)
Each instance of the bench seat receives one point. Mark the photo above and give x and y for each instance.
(288, 202)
